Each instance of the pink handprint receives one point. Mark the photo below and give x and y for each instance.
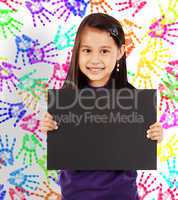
(7, 76)
(9, 2)
(135, 5)
(59, 74)
(32, 124)
(163, 31)
(169, 194)
(146, 185)
(169, 119)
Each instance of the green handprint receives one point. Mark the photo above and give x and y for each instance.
(29, 148)
(8, 23)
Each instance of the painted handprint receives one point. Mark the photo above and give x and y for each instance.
(12, 4)
(17, 193)
(22, 180)
(68, 7)
(46, 193)
(32, 89)
(99, 5)
(170, 11)
(11, 111)
(8, 23)
(168, 194)
(134, 5)
(38, 10)
(59, 74)
(7, 76)
(172, 177)
(173, 68)
(164, 31)
(49, 174)
(131, 38)
(146, 185)
(6, 151)
(23, 45)
(169, 120)
(66, 40)
(168, 149)
(32, 124)
(38, 54)
(2, 192)
(30, 144)
(166, 102)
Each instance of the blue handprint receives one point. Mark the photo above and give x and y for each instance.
(6, 152)
(2, 192)
(20, 179)
(11, 110)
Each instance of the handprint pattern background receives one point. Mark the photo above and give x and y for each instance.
(36, 41)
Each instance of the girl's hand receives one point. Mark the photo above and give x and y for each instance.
(47, 123)
(155, 132)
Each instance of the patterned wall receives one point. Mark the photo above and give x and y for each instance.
(36, 39)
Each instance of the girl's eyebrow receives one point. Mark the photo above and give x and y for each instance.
(105, 46)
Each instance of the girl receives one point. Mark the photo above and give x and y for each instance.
(99, 60)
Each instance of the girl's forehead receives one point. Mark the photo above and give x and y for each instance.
(96, 37)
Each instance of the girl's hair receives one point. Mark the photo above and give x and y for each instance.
(103, 22)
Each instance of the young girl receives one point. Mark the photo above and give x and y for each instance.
(99, 60)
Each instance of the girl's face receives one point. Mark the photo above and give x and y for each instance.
(98, 54)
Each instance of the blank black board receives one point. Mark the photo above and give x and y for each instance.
(102, 145)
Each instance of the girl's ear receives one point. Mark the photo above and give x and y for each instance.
(121, 52)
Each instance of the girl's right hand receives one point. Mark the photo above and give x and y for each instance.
(47, 123)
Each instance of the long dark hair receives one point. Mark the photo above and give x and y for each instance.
(106, 23)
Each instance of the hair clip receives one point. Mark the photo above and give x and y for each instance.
(114, 32)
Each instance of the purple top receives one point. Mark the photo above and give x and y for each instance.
(98, 185)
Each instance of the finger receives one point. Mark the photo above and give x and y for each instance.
(155, 129)
(156, 124)
(46, 129)
(48, 115)
(155, 138)
(49, 125)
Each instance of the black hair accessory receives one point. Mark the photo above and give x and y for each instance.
(114, 32)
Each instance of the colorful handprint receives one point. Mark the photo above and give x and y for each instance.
(11, 111)
(169, 120)
(32, 89)
(168, 149)
(25, 181)
(68, 7)
(38, 9)
(59, 74)
(11, 3)
(32, 124)
(135, 5)
(172, 178)
(66, 40)
(42, 54)
(23, 45)
(163, 31)
(7, 76)
(2, 192)
(99, 5)
(29, 149)
(6, 151)
(146, 185)
(8, 23)
(17, 193)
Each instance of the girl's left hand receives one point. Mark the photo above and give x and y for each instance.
(155, 132)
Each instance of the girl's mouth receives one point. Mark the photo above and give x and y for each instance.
(95, 69)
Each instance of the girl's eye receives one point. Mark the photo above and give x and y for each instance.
(104, 51)
(86, 50)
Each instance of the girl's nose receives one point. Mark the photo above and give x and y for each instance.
(95, 59)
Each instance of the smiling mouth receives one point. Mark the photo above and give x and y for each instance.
(95, 69)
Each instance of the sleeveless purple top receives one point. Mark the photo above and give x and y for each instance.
(99, 185)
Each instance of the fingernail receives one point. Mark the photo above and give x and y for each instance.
(56, 127)
(148, 131)
(147, 136)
